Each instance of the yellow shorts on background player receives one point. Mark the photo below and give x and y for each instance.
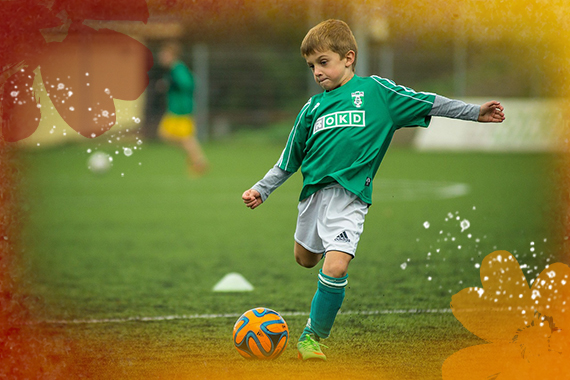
(176, 127)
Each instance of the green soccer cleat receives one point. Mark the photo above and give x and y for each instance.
(310, 349)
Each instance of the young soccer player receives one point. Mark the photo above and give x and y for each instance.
(177, 124)
(338, 140)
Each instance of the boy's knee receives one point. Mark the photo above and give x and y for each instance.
(335, 270)
(336, 264)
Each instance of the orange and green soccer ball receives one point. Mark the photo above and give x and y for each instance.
(261, 333)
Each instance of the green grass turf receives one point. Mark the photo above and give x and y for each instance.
(147, 240)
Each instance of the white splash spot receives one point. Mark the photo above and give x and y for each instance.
(426, 225)
(464, 224)
(551, 274)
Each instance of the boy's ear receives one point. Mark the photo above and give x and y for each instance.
(350, 58)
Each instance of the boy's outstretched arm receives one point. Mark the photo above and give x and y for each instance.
(261, 190)
(252, 198)
(491, 112)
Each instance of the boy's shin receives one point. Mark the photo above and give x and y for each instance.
(325, 305)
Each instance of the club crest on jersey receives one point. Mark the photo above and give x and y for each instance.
(357, 98)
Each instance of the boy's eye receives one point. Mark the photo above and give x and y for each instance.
(323, 63)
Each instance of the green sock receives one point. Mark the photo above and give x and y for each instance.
(326, 304)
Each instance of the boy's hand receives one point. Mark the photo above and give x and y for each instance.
(251, 198)
(491, 112)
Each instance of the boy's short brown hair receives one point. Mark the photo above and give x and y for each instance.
(334, 35)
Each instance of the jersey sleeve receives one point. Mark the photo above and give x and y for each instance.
(294, 152)
(274, 178)
(407, 107)
(455, 109)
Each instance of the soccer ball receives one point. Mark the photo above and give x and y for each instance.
(261, 333)
(99, 162)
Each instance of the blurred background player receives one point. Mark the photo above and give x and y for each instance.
(177, 124)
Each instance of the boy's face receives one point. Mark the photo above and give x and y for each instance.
(330, 70)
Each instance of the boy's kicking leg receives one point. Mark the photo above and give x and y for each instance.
(326, 301)
(331, 220)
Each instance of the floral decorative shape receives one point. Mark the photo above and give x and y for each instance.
(528, 328)
(82, 74)
(84, 96)
(21, 112)
(20, 25)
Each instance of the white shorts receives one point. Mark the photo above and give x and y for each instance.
(332, 219)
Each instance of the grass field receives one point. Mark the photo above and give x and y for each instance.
(147, 241)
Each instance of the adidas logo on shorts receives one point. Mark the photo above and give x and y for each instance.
(342, 237)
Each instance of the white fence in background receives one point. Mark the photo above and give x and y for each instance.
(530, 125)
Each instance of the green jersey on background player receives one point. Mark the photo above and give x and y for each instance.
(338, 141)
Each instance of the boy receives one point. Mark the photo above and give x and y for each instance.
(338, 140)
(177, 125)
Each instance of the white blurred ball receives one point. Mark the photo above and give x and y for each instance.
(99, 162)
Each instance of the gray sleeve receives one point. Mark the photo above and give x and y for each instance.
(455, 109)
(274, 178)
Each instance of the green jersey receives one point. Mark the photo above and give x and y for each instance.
(342, 135)
(181, 90)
